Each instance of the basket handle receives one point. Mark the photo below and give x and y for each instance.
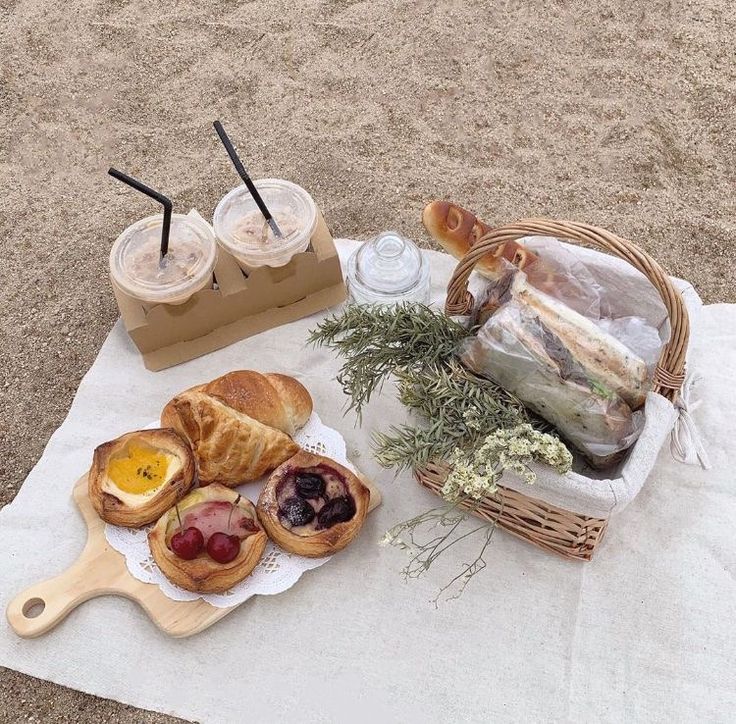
(670, 372)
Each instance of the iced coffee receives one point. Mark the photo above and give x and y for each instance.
(139, 270)
(242, 230)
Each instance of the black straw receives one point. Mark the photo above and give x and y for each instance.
(163, 200)
(246, 179)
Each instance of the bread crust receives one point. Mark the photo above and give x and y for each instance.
(230, 447)
(457, 230)
(113, 510)
(324, 542)
(202, 574)
(272, 399)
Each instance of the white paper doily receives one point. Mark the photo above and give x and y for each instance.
(276, 571)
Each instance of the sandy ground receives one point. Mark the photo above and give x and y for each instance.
(616, 113)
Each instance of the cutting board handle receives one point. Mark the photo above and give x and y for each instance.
(40, 607)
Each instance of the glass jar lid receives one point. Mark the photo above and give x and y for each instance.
(389, 265)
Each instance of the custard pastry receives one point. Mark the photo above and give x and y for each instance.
(138, 476)
(239, 425)
(208, 542)
(312, 505)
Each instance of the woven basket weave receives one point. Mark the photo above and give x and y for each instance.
(554, 529)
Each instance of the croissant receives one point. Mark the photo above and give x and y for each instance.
(239, 425)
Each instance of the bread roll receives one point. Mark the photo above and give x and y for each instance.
(457, 230)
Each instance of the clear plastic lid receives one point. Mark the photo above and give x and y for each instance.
(136, 266)
(242, 230)
(389, 268)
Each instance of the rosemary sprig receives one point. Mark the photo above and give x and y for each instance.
(376, 341)
(459, 407)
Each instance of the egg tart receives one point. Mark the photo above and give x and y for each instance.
(312, 505)
(209, 541)
(135, 478)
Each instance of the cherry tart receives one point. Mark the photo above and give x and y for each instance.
(312, 505)
(208, 542)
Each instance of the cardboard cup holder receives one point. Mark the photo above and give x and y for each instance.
(238, 306)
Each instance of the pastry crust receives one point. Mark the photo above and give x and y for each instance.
(202, 574)
(231, 448)
(240, 425)
(116, 511)
(278, 401)
(457, 230)
(323, 541)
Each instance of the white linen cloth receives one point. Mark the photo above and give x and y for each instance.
(642, 633)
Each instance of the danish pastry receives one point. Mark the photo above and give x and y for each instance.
(138, 476)
(313, 506)
(208, 542)
(239, 425)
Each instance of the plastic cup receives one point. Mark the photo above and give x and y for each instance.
(137, 269)
(241, 229)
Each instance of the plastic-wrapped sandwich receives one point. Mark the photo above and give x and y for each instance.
(563, 366)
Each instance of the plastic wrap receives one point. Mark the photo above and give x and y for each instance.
(587, 378)
(631, 312)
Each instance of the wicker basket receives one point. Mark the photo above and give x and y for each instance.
(560, 531)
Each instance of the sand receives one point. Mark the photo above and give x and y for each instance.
(615, 113)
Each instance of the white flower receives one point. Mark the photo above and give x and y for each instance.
(475, 475)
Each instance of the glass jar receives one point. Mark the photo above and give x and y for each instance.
(388, 270)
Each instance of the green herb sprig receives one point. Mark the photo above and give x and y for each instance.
(460, 409)
(376, 341)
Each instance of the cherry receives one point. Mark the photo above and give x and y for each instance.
(222, 547)
(297, 511)
(337, 510)
(309, 485)
(188, 543)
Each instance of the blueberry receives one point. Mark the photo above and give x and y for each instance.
(297, 511)
(337, 510)
(309, 485)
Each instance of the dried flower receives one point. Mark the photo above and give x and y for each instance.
(476, 474)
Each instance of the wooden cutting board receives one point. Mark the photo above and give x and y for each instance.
(101, 571)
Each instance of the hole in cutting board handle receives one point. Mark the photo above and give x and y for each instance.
(33, 607)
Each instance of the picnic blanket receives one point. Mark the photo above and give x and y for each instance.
(641, 633)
